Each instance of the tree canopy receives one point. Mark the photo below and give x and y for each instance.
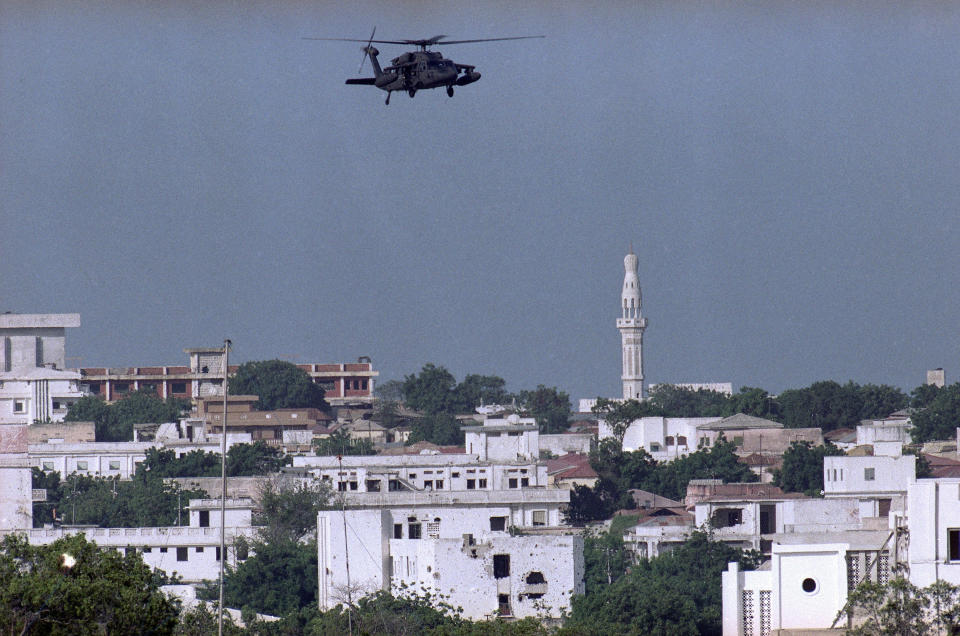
(676, 593)
(340, 443)
(146, 500)
(549, 406)
(243, 460)
(939, 417)
(802, 469)
(114, 422)
(72, 587)
(278, 384)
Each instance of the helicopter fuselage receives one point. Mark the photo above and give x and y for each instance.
(418, 70)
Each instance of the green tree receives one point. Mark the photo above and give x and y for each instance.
(442, 429)
(196, 463)
(549, 406)
(258, 458)
(390, 391)
(676, 401)
(288, 509)
(802, 469)
(619, 414)
(676, 593)
(72, 587)
(752, 401)
(606, 559)
(114, 422)
(432, 391)
(340, 443)
(488, 389)
(146, 500)
(830, 405)
(720, 461)
(939, 419)
(281, 576)
(278, 385)
(896, 608)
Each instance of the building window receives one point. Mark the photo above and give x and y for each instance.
(82, 466)
(428, 484)
(498, 524)
(199, 549)
(512, 482)
(353, 485)
(48, 465)
(481, 483)
(121, 387)
(471, 484)
(681, 440)
(539, 517)
(413, 531)
(868, 474)
(19, 406)
(178, 387)
(524, 482)
(654, 447)
(454, 474)
(398, 531)
(953, 543)
(669, 440)
(501, 566)
(809, 585)
(217, 556)
(373, 485)
(147, 550)
(114, 465)
(181, 554)
(204, 518)
(163, 550)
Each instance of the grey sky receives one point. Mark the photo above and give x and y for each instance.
(788, 175)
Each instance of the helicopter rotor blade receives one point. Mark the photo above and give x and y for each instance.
(521, 37)
(366, 50)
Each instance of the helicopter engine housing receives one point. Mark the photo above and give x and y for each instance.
(469, 77)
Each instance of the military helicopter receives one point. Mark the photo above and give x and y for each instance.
(417, 70)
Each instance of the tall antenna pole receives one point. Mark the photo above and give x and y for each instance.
(223, 481)
(346, 547)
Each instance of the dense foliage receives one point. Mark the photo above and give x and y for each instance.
(108, 502)
(619, 471)
(340, 443)
(443, 429)
(899, 607)
(827, 405)
(281, 576)
(802, 469)
(434, 391)
(243, 460)
(676, 593)
(278, 385)
(938, 415)
(114, 422)
(92, 591)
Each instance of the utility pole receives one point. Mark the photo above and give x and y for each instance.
(223, 481)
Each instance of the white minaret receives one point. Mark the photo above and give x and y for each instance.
(631, 325)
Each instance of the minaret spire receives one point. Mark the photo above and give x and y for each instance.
(631, 324)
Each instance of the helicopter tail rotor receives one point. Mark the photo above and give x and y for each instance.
(366, 50)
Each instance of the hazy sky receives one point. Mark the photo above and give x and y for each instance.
(181, 172)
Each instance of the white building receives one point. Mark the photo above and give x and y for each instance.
(631, 324)
(665, 438)
(96, 459)
(879, 483)
(465, 557)
(933, 516)
(33, 382)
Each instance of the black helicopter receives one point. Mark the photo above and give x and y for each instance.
(417, 70)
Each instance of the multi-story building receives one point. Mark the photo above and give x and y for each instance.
(34, 385)
(343, 383)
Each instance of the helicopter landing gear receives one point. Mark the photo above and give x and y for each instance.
(388, 98)
(411, 92)
(449, 91)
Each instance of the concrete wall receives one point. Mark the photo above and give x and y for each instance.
(845, 475)
(562, 444)
(16, 502)
(933, 514)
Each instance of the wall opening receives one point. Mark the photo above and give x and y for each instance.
(501, 566)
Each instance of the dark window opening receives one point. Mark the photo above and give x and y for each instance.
(953, 541)
(471, 484)
(178, 387)
(398, 531)
(481, 483)
(204, 518)
(413, 531)
(503, 605)
(726, 517)
(501, 566)
(181, 554)
(524, 482)
(373, 485)
(217, 557)
(498, 523)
